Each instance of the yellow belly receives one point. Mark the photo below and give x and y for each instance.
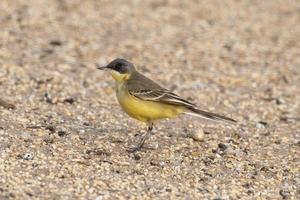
(146, 111)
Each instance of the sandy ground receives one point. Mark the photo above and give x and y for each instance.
(67, 137)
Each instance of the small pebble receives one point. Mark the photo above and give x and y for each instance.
(61, 133)
(50, 128)
(280, 101)
(222, 146)
(82, 131)
(86, 124)
(261, 124)
(214, 151)
(136, 157)
(70, 100)
(6, 105)
(28, 156)
(198, 135)
(284, 193)
(55, 43)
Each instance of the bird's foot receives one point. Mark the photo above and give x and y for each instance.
(140, 148)
(134, 149)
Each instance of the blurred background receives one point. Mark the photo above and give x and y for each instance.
(240, 58)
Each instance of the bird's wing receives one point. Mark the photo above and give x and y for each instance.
(143, 88)
(161, 95)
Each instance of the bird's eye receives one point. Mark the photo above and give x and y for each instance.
(118, 66)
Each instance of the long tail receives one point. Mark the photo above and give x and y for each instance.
(208, 115)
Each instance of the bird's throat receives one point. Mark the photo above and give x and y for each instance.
(120, 78)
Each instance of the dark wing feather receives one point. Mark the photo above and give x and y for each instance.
(145, 89)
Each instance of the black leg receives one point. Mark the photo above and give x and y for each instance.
(141, 143)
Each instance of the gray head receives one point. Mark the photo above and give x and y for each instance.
(119, 65)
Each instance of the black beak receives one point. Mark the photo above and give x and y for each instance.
(101, 67)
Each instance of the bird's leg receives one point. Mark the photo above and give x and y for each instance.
(141, 143)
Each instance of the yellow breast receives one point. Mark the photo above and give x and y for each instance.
(146, 111)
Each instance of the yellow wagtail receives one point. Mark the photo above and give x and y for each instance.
(145, 100)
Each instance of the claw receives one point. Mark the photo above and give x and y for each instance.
(134, 149)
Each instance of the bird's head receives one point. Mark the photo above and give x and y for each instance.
(120, 69)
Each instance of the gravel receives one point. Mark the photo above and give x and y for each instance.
(64, 136)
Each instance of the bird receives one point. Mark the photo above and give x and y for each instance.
(147, 101)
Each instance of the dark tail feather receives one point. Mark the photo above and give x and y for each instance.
(208, 115)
